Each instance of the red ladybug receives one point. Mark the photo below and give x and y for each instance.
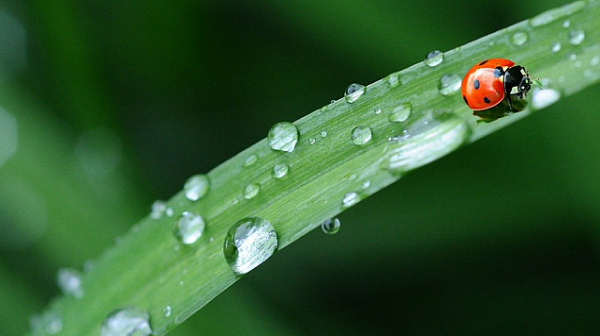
(492, 82)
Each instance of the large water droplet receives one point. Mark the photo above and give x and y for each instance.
(350, 199)
(196, 187)
(190, 227)
(556, 47)
(69, 282)
(331, 226)
(576, 37)
(361, 135)
(48, 323)
(400, 113)
(283, 136)
(250, 160)
(280, 170)
(248, 243)
(434, 58)
(251, 190)
(449, 84)
(127, 322)
(158, 209)
(541, 98)
(519, 38)
(353, 92)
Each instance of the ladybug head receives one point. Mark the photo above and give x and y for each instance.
(517, 81)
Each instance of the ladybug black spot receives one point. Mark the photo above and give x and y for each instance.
(482, 63)
(498, 72)
(466, 101)
(486, 100)
(476, 84)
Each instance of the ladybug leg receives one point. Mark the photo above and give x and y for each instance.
(510, 106)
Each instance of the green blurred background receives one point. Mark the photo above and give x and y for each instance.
(106, 106)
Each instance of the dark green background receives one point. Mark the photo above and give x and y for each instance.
(499, 238)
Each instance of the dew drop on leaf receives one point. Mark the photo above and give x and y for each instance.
(353, 92)
(361, 135)
(249, 243)
(283, 136)
(331, 226)
(196, 187)
(127, 321)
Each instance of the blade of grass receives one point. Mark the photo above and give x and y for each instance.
(149, 268)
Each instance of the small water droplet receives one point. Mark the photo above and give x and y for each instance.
(251, 190)
(400, 113)
(393, 80)
(323, 134)
(249, 243)
(519, 38)
(556, 47)
(561, 79)
(366, 184)
(69, 282)
(588, 73)
(127, 321)
(566, 24)
(541, 98)
(449, 84)
(189, 227)
(577, 64)
(361, 135)
(434, 58)
(576, 37)
(88, 265)
(595, 60)
(280, 170)
(353, 92)
(167, 311)
(283, 136)
(48, 323)
(235, 201)
(350, 199)
(572, 56)
(158, 209)
(312, 141)
(331, 226)
(250, 160)
(196, 187)
(181, 283)
(169, 212)
(377, 110)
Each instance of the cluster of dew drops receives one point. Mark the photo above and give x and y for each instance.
(252, 240)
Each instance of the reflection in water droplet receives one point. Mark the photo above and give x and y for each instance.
(331, 226)
(250, 160)
(361, 135)
(353, 92)
(48, 323)
(251, 190)
(519, 38)
(350, 199)
(249, 243)
(556, 47)
(576, 37)
(158, 209)
(449, 84)
(434, 58)
(196, 187)
(189, 227)
(541, 98)
(127, 321)
(280, 170)
(400, 113)
(167, 311)
(69, 282)
(283, 136)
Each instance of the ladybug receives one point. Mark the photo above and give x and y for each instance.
(495, 88)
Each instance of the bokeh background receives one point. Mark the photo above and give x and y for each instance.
(106, 106)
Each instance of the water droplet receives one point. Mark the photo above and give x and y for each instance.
(283, 136)
(248, 243)
(361, 135)
(377, 110)
(449, 84)
(350, 199)
(48, 323)
(541, 98)
(323, 134)
(312, 141)
(331, 226)
(353, 92)
(169, 212)
(576, 37)
(561, 79)
(588, 73)
(127, 321)
(69, 282)
(189, 227)
(572, 56)
(251, 190)
(434, 58)
(366, 184)
(577, 64)
(167, 311)
(196, 187)
(88, 265)
(519, 38)
(250, 160)
(556, 47)
(400, 113)
(595, 60)
(393, 80)
(566, 24)
(158, 209)
(280, 170)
